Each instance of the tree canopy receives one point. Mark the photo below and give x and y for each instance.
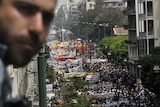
(88, 21)
(69, 93)
(150, 78)
(100, 15)
(115, 44)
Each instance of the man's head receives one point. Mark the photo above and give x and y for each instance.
(23, 27)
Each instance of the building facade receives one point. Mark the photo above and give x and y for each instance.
(113, 3)
(24, 80)
(89, 4)
(73, 8)
(143, 26)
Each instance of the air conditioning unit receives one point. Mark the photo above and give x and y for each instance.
(31, 98)
(34, 86)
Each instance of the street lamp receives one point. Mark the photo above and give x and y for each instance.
(98, 34)
(104, 28)
(90, 53)
(82, 47)
(98, 25)
(125, 62)
(109, 55)
(139, 71)
(139, 82)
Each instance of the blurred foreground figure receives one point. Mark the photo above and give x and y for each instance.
(23, 28)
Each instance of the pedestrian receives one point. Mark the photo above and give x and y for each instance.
(23, 28)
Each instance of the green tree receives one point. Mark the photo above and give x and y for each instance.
(83, 101)
(79, 83)
(49, 69)
(149, 78)
(50, 73)
(98, 15)
(60, 19)
(69, 93)
(116, 46)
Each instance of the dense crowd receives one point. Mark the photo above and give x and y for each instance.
(127, 89)
(128, 92)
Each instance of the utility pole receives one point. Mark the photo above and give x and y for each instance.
(42, 78)
(98, 34)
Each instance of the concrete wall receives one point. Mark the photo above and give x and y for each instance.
(156, 15)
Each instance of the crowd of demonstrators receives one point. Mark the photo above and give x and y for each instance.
(125, 84)
(53, 102)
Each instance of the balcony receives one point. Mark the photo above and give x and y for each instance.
(142, 16)
(126, 0)
(142, 35)
(129, 11)
(130, 42)
(133, 59)
(149, 14)
(141, 1)
(130, 27)
(151, 32)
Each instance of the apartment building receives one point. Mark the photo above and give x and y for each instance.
(24, 80)
(72, 9)
(113, 3)
(89, 4)
(143, 26)
(107, 4)
(19, 81)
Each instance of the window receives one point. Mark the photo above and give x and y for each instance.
(150, 27)
(151, 45)
(149, 8)
(142, 47)
(141, 8)
(133, 52)
(120, 3)
(142, 26)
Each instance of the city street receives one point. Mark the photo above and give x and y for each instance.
(108, 78)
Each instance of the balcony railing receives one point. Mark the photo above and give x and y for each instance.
(149, 13)
(142, 34)
(129, 11)
(150, 33)
(126, 0)
(142, 16)
(130, 42)
(130, 27)
(142, 1)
